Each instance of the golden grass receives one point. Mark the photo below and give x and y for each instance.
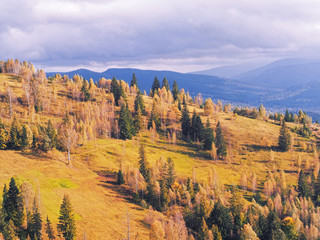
(100, 207)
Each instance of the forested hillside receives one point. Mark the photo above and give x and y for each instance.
(104, 160)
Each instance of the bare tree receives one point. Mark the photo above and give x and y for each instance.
(68, 138)
(10, 98)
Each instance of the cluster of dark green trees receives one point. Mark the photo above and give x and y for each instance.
(193, 129)
(130, 125)
(14, 215)
(309, 189)
(165, 84)
(301, 117)
(158, 201)
(17, 137)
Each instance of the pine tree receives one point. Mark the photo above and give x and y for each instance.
(12, 204)
(220, 142)
(317, 190)
(220, 216)
(35, 222)
(138, 121)
(24, 138)
(284, 141)
(125, 123)
(138, 103)
(303, 186)
(170, 174)
(3, 136)
(287, 116)
(120, 179)
(165, 84)
(185, 122)
(85, 91)
(49, 230)
(196, 129)
(52, 134)
(66, 224)
(274, 227)
(164, 197)
(14, 136)
(134, 81)
(208, 137)
(175, 90)
(144, 164)
(115, 89)
(155, 86)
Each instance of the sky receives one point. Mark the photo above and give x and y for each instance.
(178, 35)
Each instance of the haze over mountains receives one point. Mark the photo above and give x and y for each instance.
(287, 83)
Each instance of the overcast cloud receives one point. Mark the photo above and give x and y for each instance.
(166, 34)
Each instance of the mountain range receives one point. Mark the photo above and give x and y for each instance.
(287, 83)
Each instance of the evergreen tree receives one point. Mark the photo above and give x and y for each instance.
(284, 141)
(138, 103)
(125, 123)
(287, 116)
(67, 225)
(317, 190)
(52, 134)
(175, 90)
(220, 216)
(190, 188)
(155, 86)
(14, 136)
(203, 233)
(115, 89)
(185, 122)
(303, 185)
(85, 91)
(138, 121)
(164, 198)
(170, 174)
(134, 81)
(165, 84)
(35, 222)
(144, 164)
(12, 205)
(237, 210)
(49, 230)
(274, 227)
(24, 138)
(261, 227)
(208, 137)
(220, 142)
(196, 130)
(120, 179)
(3, 136)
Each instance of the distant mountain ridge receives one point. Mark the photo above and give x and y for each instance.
(288, 83)
(208, 86)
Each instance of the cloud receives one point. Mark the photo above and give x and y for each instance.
(183, 35)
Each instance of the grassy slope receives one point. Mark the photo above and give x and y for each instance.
(101, 206)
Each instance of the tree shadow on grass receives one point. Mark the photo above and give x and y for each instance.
(192, 154)
(256, 148)
(108, 179)
(34, 155)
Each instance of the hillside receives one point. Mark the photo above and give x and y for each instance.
(100, 205)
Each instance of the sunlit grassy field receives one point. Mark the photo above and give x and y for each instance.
(101, 206)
